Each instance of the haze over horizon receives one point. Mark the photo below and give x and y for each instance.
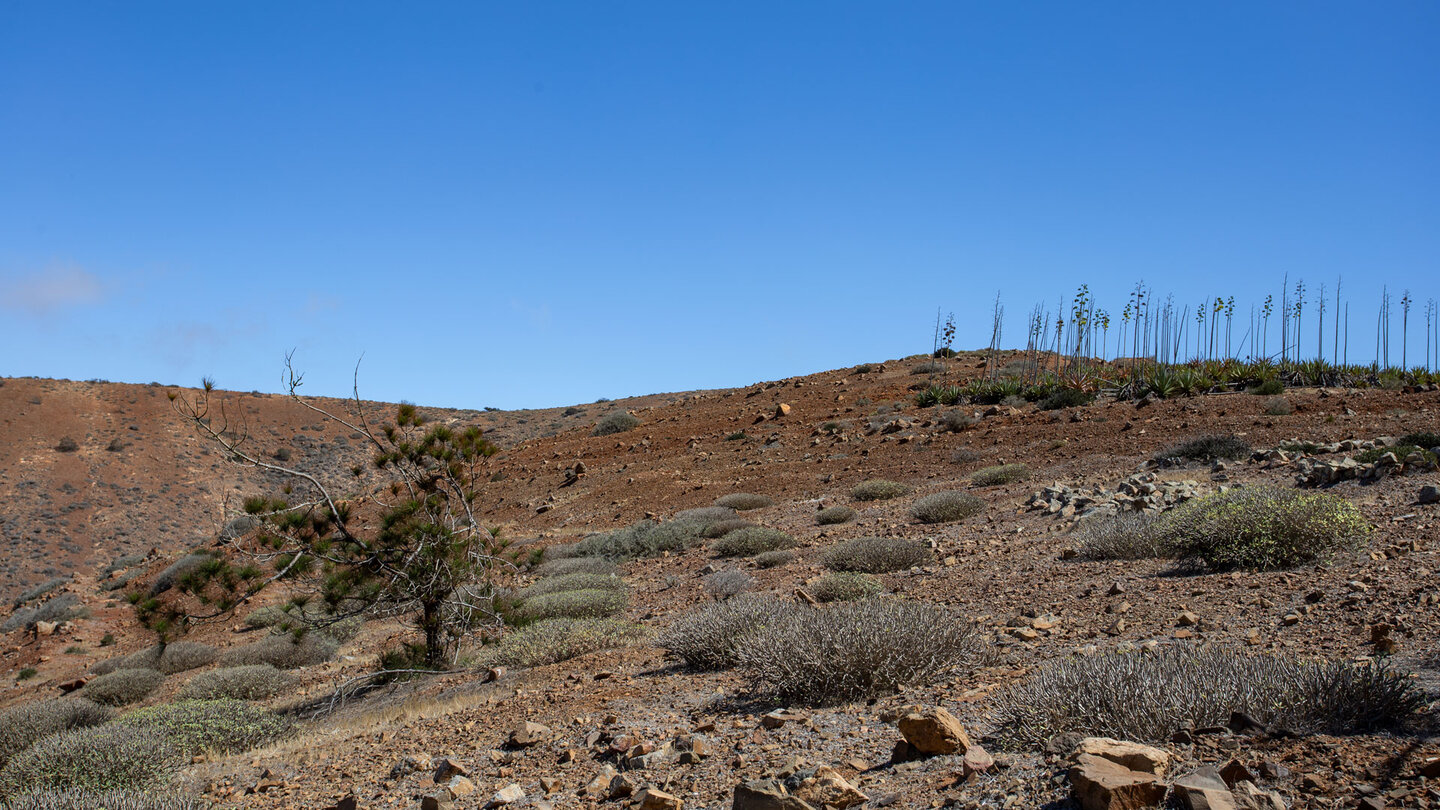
(514, 206)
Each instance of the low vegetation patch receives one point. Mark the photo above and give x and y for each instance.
(554, 640)
(744, 501)
(774, 559)
(876, 555)
(104, 800)
(879, 490)
(253, 682)
(946, 507)
(752, 541)
(999, 474)
(579, 581)
(856, 650)
(581, 604)
(1270, 387)
(108, 757)
(615, 422)
(845, 586)
(1429, 441)
(1066, 398)
(1263, 528)
(1400, 451)
(22, 725)
(724, 527)
(834, 515)
(709, 637)
(576, 565)
(122, 687)
(1125, 536)
(647, 538)
(1207, 448)
(1141, 696)
(56, 609)
(1278, 406)
(728, 583)
(283, 651)
(223, 726)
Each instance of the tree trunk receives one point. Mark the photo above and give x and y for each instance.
(434, 646)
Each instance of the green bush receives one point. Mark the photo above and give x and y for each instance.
(709, 637)
(196, 726)
(122, 687)
(879, 490)
(554, 640)
(1140, 696)
(178, 570)
(845, 586)
(1066, 398)
(876, 555)
(645, 538)
(856, 650)
(1400, 451)
(108, 757)
(774, 559)
(615, 422)
(744, 501)
(1428, 441)
(253, 682)
(1270, 387)
(999, 474)
(1263, 528)
(579, 581)
(584, 604)
(946, 507)
(752, 541)
(22, 725)
(104, 800)
(283, 651)
(576, 565)
(834, 515)
(1207, 448)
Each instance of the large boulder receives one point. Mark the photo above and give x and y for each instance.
(1135, 756)
(934, 731)
(1103, 784)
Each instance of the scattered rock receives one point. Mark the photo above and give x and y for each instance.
(1102, 784)
(529, 734)
(1203, 790)
(934, 731)
(1134, 756)
(507, 795)
(653, 799)
(766, 794)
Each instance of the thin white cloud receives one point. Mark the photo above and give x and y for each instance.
(57, 287)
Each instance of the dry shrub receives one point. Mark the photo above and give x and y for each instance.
(957, 421)
(56, 609)
(856, 650)
(774, 559)
(999, 474)
(583, 604)
(122, 687)
(877, 555)
(879, 490)
(845, 586)
(224, 726)
(834, 515)
(751, 541)
(108, 757)
(728, 583)
(283, 651)
(576, 565)
(1141, 696)
(105, 799)
(578, 581)
(706, 514)
(554, 640)
(709, 637)
(177, 570)
(744, 501)
(615, 422)
(21, 726)
(1263, 528)
(724, 527)
(1207, 448)
(645, 538)
(946, 507)
(1278, 406)
(183, 656)
(1124, 536)
(253, 682)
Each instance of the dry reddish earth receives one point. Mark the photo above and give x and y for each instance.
(1006, 561)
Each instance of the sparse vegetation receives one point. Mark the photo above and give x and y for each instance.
(957, 421)
(709, 637)
(1124, 536)
(876, 555)
(578, 581)
(879, 490)
(744, 501)
(615, 422)
(1207, 448)
(1278, 406)
(845, 586)
(553, 640)
(103, 800)
(946, 507)
(728, 583)
(576, 565)
(1066, 398)
(122, 687)
(582, 604)
(283, 651)
(834, 515)
(1428, 441)
(55, 609)
(1400, 451)
(1270, 387)
(724, 527)
(999, 474)
(253, 682)
(1138, 696)
(752, 541)
(774, 559)
(646, 538)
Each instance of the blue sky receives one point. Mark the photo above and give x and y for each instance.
(524, 205)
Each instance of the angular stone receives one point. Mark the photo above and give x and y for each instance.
(935, 731)
(766, 794)
(445, 767)
(653, 799)
(507, 795)
(977, 760)
(1102, 784)
(1249, 797)
(828, 789)
(529, 734)
(1134, 756)
(1203, 790)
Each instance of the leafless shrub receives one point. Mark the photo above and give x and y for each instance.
(879, 490)
(957, 421)
(845, 586)
(964, 455)
(774, 559)
(855, 650)
(560, 551)
(728, 583)
(724, 527)
(752, 541)
(55, 609)
(834, 515)
(106, 799)
(946, 507)
(122, 687)
(576, 565)
(744, 501)
(283, 651)
(253, 682)
(999, 474)
(183, 656)
(1138, 696)
(554, 640)
(709, 637)
(107, 757)
(42, 589)
(22, 725)
(1124, 536)
(876, 555)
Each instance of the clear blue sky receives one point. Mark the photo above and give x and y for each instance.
(532, 204)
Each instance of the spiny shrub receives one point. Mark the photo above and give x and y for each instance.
(576, 565)
(876, 555)
(254, 682)
(946, 507)
(834, 515)
(1140, 696)
(108, 757)
(267, 616)
(56, 609)
(553, 640)
(1278, 406)
(1207, 448)
(752, 541)
(927, 368)
(1124, 536)
(845, 586)
(104, 799)
(879, 490)
(177, 570)
(957, 421)
(225, 726)
(22, 725)
(1066, 398)
(1263, 528)
(709, 637)
(999, 474)
(724, 527)
(855, 650)
(584, 604)
(774, 559)
(728, 583)
(615, 422)
(122, 687)
(42, 589)
(645, 538)
(706, 514)
(744, 501)
(572, 582)
(283, 651)
(183, 656)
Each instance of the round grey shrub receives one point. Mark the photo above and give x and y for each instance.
(644, 538)
(583, 604)
(879, 490)
(845, 586)
(194, 726)
(706, 514)
(724, 527)
(551, 641)
(1124, 536)
(834, 515)
(877, 555)
(267, 616)
(774, 559)
(1263, 528)
(751, 541)
(744, 501)
(999, 474)
(253, 682)
(283, 651)
(122, 687)
(183, 656)
(579, 581)
(946, 507)
(576, 565)
(21, 726)
(728, 583)
(107, 757)
(1207, 448)
(856, 650)
(615, 422)
(105, 799)
(709, 637)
